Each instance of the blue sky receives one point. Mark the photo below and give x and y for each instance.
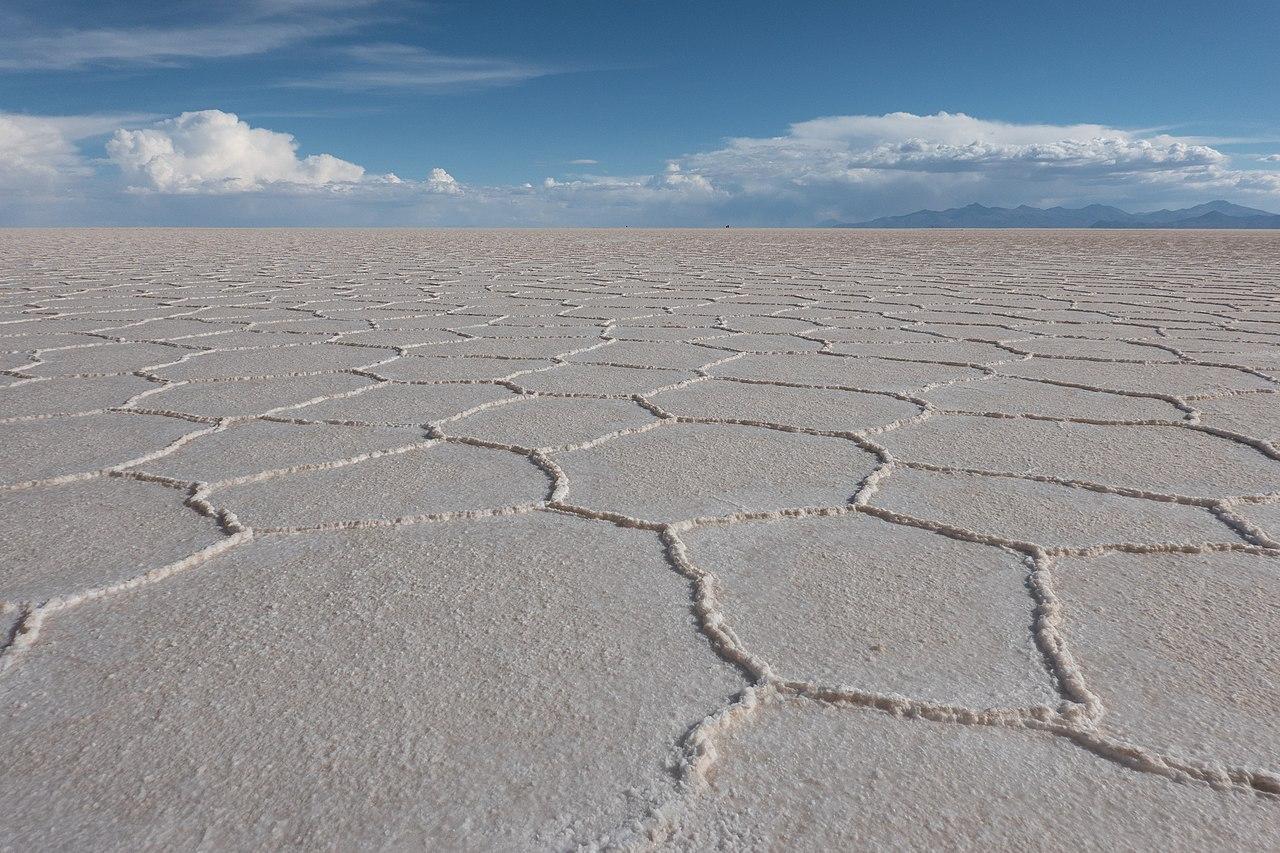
(402, 112)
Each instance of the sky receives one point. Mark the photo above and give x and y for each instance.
(626, 112)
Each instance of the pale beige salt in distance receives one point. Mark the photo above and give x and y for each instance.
(678, 540)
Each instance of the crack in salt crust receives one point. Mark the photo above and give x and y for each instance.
(678, 325)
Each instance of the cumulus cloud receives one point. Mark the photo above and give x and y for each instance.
(441, 182)
(211, 151)
(42, 151)
(843, 167)
(862, 166)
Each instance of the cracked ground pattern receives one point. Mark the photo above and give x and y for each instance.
(591, 540)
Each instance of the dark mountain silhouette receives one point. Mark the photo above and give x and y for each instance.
(1213, 214)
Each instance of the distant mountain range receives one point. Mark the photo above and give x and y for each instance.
(1214, 214)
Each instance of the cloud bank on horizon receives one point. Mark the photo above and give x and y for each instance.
(835, 167)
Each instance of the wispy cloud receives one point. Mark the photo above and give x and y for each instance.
(584, 162)
(258, 28)
(399, 66)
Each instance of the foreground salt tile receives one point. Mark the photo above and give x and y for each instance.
(551, 421)
(1045, 514)
(1264, 516)
(1015, 396)
(63, 396)
(671, 355)
(806, 408)
(844, 371)
(104, 358)
(1253, 415)
(803, 776)
(424, 367)
(255, 446)
(1180, 650)
(942, 351)
(56, 447)
(274, 361)
(854, 601)
(406, 405)
(62, 539)
(1158, 459)
(535, 347)
(440, 478)
(690, 470)
(247, 397)
(1173, 379)
(407, 687)
(601, 380)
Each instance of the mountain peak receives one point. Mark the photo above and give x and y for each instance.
(1212, 214)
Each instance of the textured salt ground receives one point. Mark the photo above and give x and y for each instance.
(811, 777)
(545, 540)
(498, 712)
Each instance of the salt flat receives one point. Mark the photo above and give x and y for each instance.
(594, 539)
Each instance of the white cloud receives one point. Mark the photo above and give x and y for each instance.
(42, 151)
(211, 151)
(399, 66)
(584, 162)
(243, 29)
(1270, 158)
(441, 182)
(195, 165)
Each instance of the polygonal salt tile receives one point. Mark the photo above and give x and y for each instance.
(631, 332)
(424, 481)
(961, 352)
(1093, 348)
(55, 447)
(1173, 379)
(275, 361)
(533, 347)
(1254, 415)
(601, 380)
(1021, 396)
(243, 397)
(692, 470)
(873, 336)
(551, 421)
(428, 368)
(838, 600)
(255, 446)
(405, 404)
(66, 538)
(1179, 648)
(104, 358)
(1264, 516)
(66, 395)
(844, 371)
(808, 408)
(489, 702)
(1049, 515)
(1159, 459)
(672, 355)
(767, 343)
(805, 776)
(36, 340)
(401, 337)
